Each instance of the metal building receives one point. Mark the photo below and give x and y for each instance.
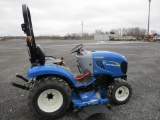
(101, 37)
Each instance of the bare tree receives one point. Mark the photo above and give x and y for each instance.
(133, 31)
(153, 31)
(98, 31)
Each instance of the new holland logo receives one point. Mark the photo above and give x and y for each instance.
(99, 57)
(112, 63)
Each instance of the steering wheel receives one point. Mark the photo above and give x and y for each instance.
(77, 49)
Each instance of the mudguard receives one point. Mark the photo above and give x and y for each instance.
(35, 71)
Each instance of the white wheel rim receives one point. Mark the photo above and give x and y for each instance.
(122, 93)
(50, 100)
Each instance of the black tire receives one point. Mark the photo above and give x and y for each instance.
(59, 90)
(118, 88)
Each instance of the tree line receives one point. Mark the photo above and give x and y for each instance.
(135, 32)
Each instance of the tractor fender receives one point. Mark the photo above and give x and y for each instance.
(35, 71)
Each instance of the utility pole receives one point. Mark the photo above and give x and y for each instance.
(82, 29)
(148, 17)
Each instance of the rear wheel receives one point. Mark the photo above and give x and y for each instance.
(49, 98)
(120, 92)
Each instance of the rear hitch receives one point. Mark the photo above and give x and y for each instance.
(21, 77)
(24, 87)
(19, 86)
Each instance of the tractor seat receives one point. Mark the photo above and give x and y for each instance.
(52, 60)
(42, 59)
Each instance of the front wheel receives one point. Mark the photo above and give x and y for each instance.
(49, 98)
(120, 92)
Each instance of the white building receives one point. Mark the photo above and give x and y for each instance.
(103, 37)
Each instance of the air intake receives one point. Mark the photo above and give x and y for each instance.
(100, 64)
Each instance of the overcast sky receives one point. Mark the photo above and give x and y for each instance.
(60, 17)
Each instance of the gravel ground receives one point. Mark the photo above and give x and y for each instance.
(143, 75)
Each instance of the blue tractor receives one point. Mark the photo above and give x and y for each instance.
(53, 88)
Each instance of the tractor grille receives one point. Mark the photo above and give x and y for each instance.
(100, 64)
(124, 66)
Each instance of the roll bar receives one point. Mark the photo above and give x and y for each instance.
(28, 30)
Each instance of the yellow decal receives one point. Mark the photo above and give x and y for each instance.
(115, 63)
(97, 94)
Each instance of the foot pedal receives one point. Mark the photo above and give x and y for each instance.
(86, 112)
(82, 76)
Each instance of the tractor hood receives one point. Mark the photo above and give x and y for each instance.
(110, 63)
(108, 55)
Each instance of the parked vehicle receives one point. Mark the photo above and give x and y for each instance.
(156, 38)
(53, 88)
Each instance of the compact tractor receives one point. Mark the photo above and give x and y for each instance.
(53, 88)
